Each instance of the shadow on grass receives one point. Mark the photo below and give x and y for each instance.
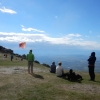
(97, 81)
(37, 76)
(78, 81)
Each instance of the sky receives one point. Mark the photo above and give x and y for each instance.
(50, 26)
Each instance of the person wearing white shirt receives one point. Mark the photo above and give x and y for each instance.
(60, 70)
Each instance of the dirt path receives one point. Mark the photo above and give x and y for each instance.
(18, 69)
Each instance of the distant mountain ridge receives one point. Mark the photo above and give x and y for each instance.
(10, 51)
(76, 62)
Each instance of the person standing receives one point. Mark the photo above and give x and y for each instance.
(91, 66)
(30, 59)
(11, 57)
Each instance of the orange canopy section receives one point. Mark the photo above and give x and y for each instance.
(22, 45)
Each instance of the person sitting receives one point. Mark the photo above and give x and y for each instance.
(60, 71)
(73, 76)
(53, 68)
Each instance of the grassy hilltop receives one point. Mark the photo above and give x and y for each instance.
(17, 84)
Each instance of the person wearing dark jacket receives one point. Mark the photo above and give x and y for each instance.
(73, 76)
(30, 59)
(91, 66)
(53, 68)
(11, 57)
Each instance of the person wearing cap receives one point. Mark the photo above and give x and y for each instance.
(91, 66)
(60, 70)
(30, 58)
(53, 68)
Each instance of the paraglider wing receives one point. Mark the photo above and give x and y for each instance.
(22, 45)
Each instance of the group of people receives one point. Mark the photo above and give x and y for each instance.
(60, 71)
(71, 75)
(5, 55)
(11, 57)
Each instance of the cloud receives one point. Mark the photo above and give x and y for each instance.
(70, 39)
(5, 10)
(74, 35)
(31, 29)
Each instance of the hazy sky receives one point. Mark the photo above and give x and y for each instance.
(74, 23)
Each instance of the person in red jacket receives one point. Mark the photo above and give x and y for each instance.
(91, 66)
(30, 59)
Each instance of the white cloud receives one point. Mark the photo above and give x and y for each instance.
(5, 10)
(70, 39)
(31, 29)
(74, 35)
